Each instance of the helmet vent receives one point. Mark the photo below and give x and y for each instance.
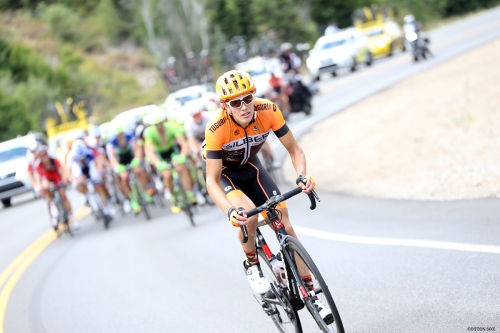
(236, 85)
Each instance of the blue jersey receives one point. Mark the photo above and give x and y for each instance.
(114, 144)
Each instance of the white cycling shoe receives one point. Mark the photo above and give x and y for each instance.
(257, 281)
(324, 312)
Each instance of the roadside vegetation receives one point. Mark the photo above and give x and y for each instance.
(111, 51)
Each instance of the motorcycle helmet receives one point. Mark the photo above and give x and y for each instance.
(409, 18)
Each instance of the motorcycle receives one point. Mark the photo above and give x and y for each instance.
(417, 43)
(299, 96)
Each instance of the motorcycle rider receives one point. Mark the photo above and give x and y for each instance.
(412, 25)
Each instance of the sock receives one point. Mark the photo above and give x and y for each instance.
(252, 258)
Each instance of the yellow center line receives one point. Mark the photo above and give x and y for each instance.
(18, 266)
(45, 240)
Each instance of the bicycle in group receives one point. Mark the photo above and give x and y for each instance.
(289, 293)
(180, 196)
(155, 185)
(57, 210)
(115, 195)
(96, 205)
(138, 192)
(199, 181)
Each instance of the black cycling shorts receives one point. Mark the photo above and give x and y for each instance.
(167, 154)
(252, 179)
(126, 157)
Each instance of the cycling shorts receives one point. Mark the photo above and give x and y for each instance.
(250, 179)
(126, 157)
(167, 155)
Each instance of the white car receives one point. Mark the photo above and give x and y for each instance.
(14, 178)
(126, 118)
(344, 49)
(175, 101)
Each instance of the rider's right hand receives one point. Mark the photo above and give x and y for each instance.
(237, 216)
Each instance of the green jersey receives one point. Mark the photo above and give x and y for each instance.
(152, 135)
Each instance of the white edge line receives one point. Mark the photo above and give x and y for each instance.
(397, 242)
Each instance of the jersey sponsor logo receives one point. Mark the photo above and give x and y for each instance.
(236, 132)
(274, 192)
(227, 188)
(262, 107)
(218, 124)
(252, 140)
(255, 128)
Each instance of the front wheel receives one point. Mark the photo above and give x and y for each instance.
(183, 200)
(318, 291)
(279, 308)
(142, 201)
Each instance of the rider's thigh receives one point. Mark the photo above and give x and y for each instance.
(138, 171)
(166, 174)
(181, 168)
(124, 177)
(285, 219)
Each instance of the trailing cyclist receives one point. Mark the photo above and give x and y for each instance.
(50, 171)
(236, 179)
(161, 140)
(123, 150)
(81, 162)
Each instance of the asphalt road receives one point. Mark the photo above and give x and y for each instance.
(392, 266)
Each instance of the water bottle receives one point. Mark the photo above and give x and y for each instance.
(279, 269)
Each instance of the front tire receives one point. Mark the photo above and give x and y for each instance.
(286, 318)
(320, 287)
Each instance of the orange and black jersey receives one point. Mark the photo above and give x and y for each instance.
(225, 139)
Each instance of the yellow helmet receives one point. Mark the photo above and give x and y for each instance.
(233, 84)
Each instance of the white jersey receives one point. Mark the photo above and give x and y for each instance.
(196, 130)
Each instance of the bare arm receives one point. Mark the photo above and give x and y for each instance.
(182, 142)
(150, 153)
(296, 153)
(298, 160)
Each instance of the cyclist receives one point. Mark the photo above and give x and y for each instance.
(81, 162)
(32, 157)
(161, 138)
(123, 150)
(195, 127)
(50, 171)
(234, 175)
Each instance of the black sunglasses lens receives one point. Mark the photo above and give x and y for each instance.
(248, 99)
(236, 103)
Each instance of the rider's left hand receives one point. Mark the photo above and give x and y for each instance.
(309, 185)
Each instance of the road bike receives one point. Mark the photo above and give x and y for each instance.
(138, 192)
(115, 195)
(289, 293)
(95, 204)
(155, 185)
(179, 196)
(57, 210)
(199, 181)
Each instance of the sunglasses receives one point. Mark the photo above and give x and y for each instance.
(236, 103)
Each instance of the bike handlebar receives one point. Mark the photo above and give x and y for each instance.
(273, 201)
